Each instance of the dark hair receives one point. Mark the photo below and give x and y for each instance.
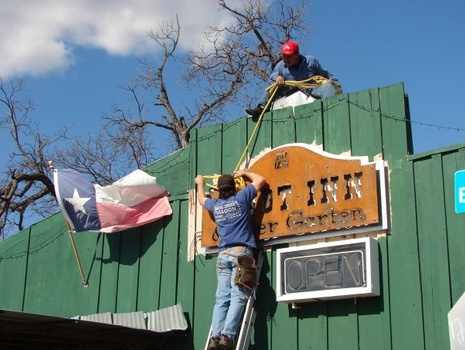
(227, 192)
(226, 186)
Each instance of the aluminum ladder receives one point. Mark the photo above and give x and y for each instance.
(248, 319)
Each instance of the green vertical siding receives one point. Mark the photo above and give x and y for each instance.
(405, 311)
(209, 161)
(455, 223)
(366, 127)
(14, 257)
(265, 305)
(365, 123)
(286, 132)
(262, 134)
(374, 313)
(150, 265)
(432, 245)
(234, 140)
(110, 270)
(128, 272)
(313, 325)
(441, 240)
(336, 124)
(420, 262)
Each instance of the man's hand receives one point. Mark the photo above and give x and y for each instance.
(239, 173)
(338, 87)
(257, 180)
(199, 180)
(280, 80)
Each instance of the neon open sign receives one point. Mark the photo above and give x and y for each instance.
(334, 270)
(324, 271)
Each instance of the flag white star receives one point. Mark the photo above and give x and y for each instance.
(78, 202)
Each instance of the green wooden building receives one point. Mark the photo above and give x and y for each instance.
(421, 257)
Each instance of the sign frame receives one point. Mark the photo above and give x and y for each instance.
(309, 176)
(370, 287)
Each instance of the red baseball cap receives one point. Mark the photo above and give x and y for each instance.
(289, 48)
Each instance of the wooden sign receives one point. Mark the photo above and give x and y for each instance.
(309, 191)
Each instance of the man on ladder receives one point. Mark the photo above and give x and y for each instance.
(237, 243)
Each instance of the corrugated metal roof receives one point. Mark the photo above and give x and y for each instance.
(102, 318)
(24, 331)
(130, 319)
(160, 321)
(167, 319)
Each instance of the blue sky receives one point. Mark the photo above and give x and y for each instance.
(74, 56)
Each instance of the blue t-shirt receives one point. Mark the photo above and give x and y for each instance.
(307, 67)
(232, 217)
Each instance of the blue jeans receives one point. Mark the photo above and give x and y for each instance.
(230, 299)
(321, 91)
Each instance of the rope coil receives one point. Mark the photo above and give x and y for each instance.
(271, 90)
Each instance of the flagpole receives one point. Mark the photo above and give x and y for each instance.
(76, 255)
(73, 244)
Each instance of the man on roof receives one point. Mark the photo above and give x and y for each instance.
(297, 67)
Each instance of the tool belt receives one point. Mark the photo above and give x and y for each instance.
(246, 274)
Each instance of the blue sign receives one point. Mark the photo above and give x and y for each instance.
(459, 181)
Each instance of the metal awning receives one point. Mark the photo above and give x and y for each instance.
(19, 330)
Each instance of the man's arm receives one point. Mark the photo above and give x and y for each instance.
(258, 181)
(313, 63)
(277, 72)
(200, 181)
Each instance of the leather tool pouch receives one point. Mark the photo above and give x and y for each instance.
(246, 274)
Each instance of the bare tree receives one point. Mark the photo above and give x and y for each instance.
(26, 187)
(26, 182)
(220, 73)
(108, 155)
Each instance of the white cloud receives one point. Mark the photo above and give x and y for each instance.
(38, 36)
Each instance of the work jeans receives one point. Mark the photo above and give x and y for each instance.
(321, 91)
(230, 299)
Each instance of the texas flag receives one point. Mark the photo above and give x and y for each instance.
(134, 200)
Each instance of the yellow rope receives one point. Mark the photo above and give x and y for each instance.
(240, 182)
(257, 125)
(271, 91)
(301, 84)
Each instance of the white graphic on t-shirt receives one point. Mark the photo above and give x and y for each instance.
(227, 211)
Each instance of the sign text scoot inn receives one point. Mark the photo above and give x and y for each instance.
(310, 191)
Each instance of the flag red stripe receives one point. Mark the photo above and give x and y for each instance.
(117, 217)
